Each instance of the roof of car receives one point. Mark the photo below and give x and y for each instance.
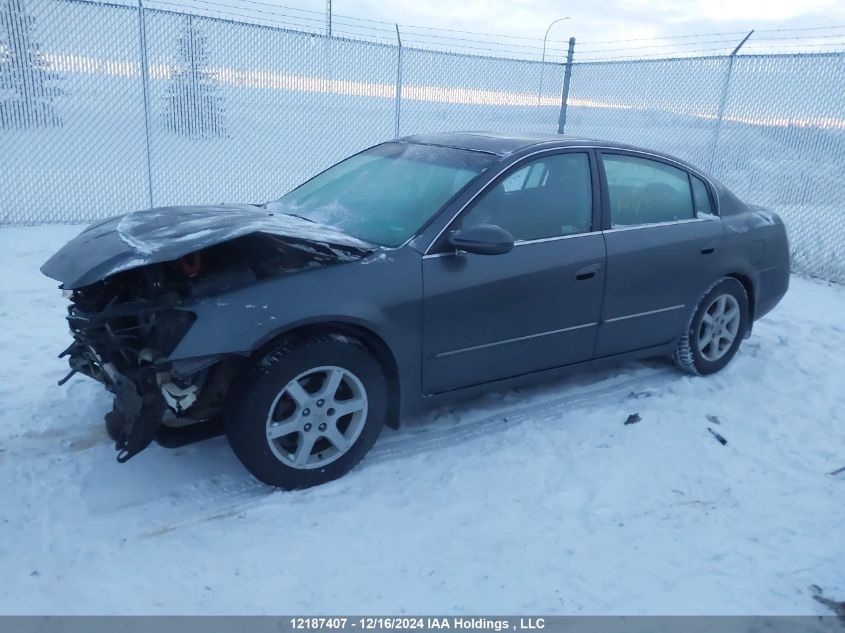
(502, 143)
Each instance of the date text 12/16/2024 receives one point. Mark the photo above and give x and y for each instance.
(405, 623)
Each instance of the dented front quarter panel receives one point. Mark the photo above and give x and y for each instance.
(381, 293)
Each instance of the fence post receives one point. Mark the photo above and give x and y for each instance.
(329, 18)
(398, 108)
(567, 76)
(142, 34)
(723, 100)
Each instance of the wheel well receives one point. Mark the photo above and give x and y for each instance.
(369, 339)
(749, 290)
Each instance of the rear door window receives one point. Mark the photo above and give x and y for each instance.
(644, 191)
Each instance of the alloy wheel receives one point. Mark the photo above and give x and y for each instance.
(317, 417)
(719, 327)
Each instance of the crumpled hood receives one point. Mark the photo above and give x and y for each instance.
(163, 234)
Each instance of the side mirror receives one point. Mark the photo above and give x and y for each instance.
(483, 239)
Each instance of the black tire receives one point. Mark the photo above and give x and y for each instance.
(687, 355)
(250, 399)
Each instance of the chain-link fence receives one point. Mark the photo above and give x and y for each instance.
(771, 127)
(106, 108)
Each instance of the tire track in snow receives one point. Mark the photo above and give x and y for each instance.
(230, 494)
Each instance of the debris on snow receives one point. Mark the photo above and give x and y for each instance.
(713, 418)
(721, 439)
(456, 463)
(633, 419)
(838, 607)
(837, 471)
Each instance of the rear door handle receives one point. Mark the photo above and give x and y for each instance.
(587, 272)
(707, 249)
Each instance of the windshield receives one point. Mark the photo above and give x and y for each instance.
(385, 194)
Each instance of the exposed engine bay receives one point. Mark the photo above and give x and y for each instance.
(126, 325)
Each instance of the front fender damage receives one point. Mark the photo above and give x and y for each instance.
(126, 326)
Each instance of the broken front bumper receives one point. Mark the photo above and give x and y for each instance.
(138, 405)
(125, 350)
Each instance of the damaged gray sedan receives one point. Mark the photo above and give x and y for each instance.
(413, 273)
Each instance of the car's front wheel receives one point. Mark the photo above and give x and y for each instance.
(715, 330)
(308, 412)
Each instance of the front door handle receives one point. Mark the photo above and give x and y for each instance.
(587, 272)
(707, 249)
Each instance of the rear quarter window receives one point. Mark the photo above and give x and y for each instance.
(701, 197)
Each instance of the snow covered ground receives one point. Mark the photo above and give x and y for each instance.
(538, 501)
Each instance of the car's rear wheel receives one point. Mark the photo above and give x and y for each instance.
(714, 333)
(308, 412)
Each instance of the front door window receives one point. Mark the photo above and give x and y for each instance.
(547, 197)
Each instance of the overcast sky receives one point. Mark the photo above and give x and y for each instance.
(604, 20)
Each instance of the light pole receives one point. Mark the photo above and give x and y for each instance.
(543, 59)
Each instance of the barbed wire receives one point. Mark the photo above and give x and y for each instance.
(664, 55)
(802, 28)
(753, 41)
(707, 52)
(693, 35)
(428, 36)
(797, 37)
(732, 41)
(199, 4)
(792, 39)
